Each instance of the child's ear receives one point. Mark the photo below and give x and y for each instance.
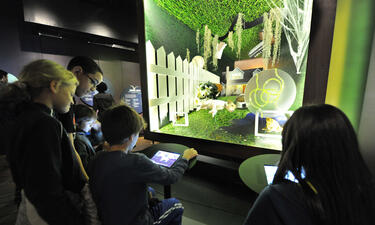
(54, 86)
(76, 70)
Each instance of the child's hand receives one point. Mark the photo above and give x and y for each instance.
(190, 153)
(96, 125)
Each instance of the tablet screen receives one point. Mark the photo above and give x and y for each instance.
(165, 158)
(270, 171)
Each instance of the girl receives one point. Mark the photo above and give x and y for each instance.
(43, 164)
(320, 148)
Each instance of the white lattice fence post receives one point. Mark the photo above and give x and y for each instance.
(186, 85)
(180, 102)
(162, 87)
(191, 86)
(172, 86)
(196, 82)
(151, 87)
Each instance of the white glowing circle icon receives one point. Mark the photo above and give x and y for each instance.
(272, 89)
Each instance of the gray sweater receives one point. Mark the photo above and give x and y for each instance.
(118, 182)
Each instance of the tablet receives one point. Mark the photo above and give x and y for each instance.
(270, 171)
(165, 158)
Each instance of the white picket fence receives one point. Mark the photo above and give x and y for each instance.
(172, 86)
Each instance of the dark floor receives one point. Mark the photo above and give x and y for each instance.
(212, 194)
(8, 209)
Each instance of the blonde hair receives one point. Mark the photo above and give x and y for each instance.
(40, 73)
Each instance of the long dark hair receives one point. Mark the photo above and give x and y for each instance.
(338, 187)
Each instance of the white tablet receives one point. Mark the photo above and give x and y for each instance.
(165, 158)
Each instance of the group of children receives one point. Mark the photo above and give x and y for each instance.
(50, 172)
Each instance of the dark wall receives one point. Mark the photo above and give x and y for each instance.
(109, 18)
(20, 44)
(12, 58)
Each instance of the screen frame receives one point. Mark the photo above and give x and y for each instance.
(318, 61)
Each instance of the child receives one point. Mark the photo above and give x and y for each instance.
(43, 163)
(85, 118)
(118, 177)
(335, 186)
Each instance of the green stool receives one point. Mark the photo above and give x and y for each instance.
(252, 170)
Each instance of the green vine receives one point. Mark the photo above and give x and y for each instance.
(207, 45)
(239, 29)
(272, 32)
(277, 35)
(230, 40)
(215, 43)
(267, 39)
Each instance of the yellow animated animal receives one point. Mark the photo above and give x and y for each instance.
(272, 126)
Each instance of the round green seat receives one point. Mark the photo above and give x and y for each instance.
(252, 173)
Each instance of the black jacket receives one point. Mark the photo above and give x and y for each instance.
(44, 165)
(84, 148)
(118, 183)
(279, 204)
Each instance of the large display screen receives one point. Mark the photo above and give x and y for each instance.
(228, 71)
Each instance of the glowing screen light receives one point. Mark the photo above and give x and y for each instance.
(271, 89)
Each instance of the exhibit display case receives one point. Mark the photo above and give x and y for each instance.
(230, 73)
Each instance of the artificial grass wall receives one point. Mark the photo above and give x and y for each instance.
(219, 15)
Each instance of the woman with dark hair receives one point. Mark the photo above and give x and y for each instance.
(42, 161)
(320, 148)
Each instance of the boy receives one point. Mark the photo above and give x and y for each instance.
(85, 118)
(118, 177)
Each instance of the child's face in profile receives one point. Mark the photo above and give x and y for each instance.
(134, 141)
(87, 125)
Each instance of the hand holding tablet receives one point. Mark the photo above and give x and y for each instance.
(190, 153)
(165, 158)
